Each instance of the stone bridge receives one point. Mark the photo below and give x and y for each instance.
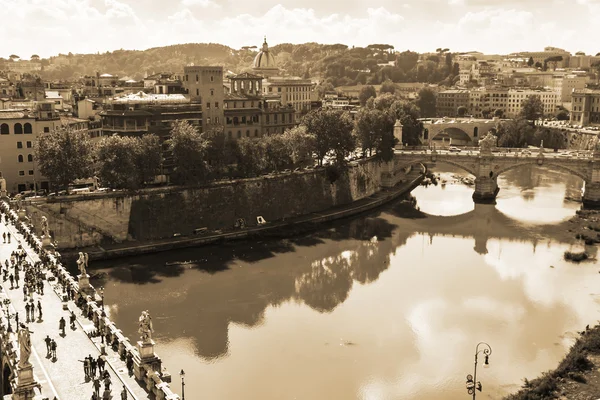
(458, 131)
(486, 166)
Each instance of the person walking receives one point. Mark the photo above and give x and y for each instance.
(53, 348)
(39, 306)
(86, 367)
(32, 310)
(97, 386)
(129, 362)
(27, 312)
(17, 319)
(11, 278)
(4, 236)
(72, 319)
(48, 342)
(124, 393)
(8, 236)
(100, 363)
(93, 365)
(61, 326)
(107, 384)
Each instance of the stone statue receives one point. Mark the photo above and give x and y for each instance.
(487, 143)
(24, 346)
(82, 263)
(19, 200)
(2, 185)
(145, 323)
(45, 229)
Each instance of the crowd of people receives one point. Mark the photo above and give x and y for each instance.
(35, 275)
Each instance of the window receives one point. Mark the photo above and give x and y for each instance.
(212, 92)
(4, 129)
(18, 129)
(20, 158)
(27, 128)
(197, 92)
(21, 173)
(256, 133)
(212, 78)
(239, 134)
(29, 145)
(46, 129)
(29, 157)
(279, 89)
(216, 104)
(248, 133)
(30, 172)
(196, 77)
(19, 145)
(208, 105)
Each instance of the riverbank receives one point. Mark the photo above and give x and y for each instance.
(281, 228)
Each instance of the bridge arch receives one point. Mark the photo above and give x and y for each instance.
(559, 166)
(458, 136)
(426, 159)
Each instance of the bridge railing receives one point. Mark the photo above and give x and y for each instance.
(155, 381)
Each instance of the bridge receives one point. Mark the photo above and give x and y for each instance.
(458, 131)
(487, 162)
(28, 369)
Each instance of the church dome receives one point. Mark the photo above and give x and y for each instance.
(264, 59)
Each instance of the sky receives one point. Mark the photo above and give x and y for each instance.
(50, 27)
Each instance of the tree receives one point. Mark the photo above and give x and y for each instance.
(277, 155)
(553, 138)
(189, 150)
(532, 108)
(462, 111)
(148, 158)
(251, 157)
(426, 102)
(366, 92)
(530, 62)
(515, 133)
(538, 65)
(64, 155)
(499, 113)
(332, 131)
(371, 126)
(300, 145)
(116, 162)
(562, 115)
(408, 114)
(387, 87)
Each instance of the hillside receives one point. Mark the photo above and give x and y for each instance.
(337, 64)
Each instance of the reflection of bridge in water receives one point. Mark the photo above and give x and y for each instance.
(486, 166)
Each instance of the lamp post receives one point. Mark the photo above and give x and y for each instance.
(473, 385)
(182, 374)
(101, 291)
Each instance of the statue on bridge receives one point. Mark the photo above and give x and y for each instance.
(19, 200)
(45, 229)
(145, 324)
(24, 346)
(488, 143)
(82, 263)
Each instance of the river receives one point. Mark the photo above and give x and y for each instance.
(385, 306)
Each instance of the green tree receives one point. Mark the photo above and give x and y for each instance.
(332, 131)
(499, 113)
(117, 158)
(277, 155)
(426, 102)
(251, 157)
(462, 111)
(300, 145)
(64, 155)
(387, 87)
(148, 158)
(562, 115)
(409, 115)
(530, 62)
(532, 108)
(189, 149)
(366, 92)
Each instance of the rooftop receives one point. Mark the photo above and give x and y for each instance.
(141, 97)
(13, 114)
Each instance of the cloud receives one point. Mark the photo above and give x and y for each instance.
(200, 3)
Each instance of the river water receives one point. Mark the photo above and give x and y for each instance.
(385, 306)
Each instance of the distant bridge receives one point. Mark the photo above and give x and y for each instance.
(458, 131)
(487, 165)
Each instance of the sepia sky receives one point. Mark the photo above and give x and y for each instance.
(49, 27)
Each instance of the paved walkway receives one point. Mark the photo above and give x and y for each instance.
(63, 378)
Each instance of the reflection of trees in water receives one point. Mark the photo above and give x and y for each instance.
(529, 177)
(309, 269)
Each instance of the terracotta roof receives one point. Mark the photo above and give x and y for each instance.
(13, 114)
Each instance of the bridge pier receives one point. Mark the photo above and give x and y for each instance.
(591, 195)
(486, 190)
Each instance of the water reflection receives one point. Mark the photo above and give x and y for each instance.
(386, 306)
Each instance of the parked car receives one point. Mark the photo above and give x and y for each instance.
(454, 149)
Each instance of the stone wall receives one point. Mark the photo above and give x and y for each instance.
(160, 213)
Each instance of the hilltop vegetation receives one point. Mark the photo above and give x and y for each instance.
(335, 64)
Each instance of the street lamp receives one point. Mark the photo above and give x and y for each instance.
(182, 374)
(101, 290)
(472, 383)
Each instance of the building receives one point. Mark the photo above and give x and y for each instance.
(264, 63)
(140, 113)
(580, 61)
(448, 102)
(565, 85)
(292, 90)
(19, 130)
(204, 85)
(550, 100)
(541, 56)
(585, 107)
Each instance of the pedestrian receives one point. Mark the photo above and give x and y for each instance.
(8, 236)
(4, 236)
(39, 306)
(124, 393)
(129, 363)
(72, 319)
(17, 318)
(48, 341)
(100, 363)
(27, 311)
(107, 383)
(93, 365)
(32, 310)
(61, 326)
(97, 386)
(53, 348)
(11, 278)
(86, 367)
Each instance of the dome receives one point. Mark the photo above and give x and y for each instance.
(264, 59)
